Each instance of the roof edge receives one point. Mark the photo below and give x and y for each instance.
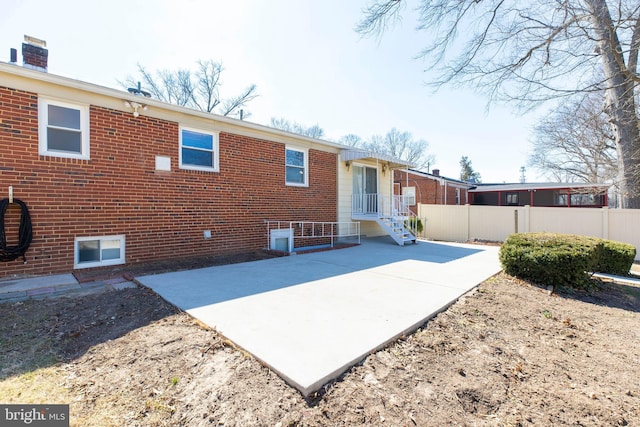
(536, 186)
(68, 82)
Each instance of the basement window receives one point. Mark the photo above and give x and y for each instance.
(199, 150)
(99, 251)
(63, 129)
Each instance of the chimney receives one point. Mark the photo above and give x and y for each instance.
(34, 53)
(436, 172)
(14, 55)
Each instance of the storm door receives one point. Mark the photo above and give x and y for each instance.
(365, 190)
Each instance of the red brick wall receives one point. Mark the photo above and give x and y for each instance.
(429, 191)
(162, 214)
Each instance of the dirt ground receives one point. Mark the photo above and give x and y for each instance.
(507, 354)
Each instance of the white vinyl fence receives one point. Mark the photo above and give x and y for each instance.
(495, 223)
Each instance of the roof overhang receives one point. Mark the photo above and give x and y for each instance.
(160, 109)
(442, 179)
(568, 187)
(392, 162)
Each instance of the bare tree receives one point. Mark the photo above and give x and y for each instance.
(313, 131)
(467, 173)
(352, 140)
(402, 146)
(531, 52)
(199, 89)
(575, 143)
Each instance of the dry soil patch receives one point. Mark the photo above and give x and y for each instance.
(508, 354)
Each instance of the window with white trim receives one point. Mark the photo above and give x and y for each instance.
(409, 195)
(199, 150)
(63, 129)
(99, 251)
(296, 161)
(512, 199)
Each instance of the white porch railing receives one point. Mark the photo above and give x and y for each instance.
(306, 234)
(380, 206)
(390, 212)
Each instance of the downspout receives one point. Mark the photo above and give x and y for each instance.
(445, 193)
(378, 187)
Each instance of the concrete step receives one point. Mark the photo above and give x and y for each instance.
(14, 290)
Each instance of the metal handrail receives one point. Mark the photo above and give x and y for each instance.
(314, 229)
(380, 205)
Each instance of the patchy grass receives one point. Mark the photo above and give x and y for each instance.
(509, 354)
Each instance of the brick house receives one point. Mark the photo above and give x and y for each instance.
(430, 188)
(113, 178)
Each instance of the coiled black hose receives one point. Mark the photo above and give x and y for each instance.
(25, 232)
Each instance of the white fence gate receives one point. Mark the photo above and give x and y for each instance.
(495, 223)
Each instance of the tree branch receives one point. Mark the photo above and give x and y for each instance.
(378, 15)
(231, 105)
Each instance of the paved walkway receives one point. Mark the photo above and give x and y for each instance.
(311, 317)
(14, 290)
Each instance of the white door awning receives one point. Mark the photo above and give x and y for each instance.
(393, 162)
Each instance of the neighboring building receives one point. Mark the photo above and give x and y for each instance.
(433, 189)
(540, 194)
(429, 188)
(111, 178)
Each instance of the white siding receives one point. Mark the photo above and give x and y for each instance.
(345, 192)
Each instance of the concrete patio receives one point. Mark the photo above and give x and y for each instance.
(311, 317)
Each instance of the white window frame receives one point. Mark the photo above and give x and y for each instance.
(76, 253)
(409, 195)
(511, 195)
(305, 153)
(43, 124)
(215, 150)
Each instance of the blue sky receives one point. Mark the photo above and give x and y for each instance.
(308, 63)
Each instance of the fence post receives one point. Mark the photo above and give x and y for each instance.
(468, 212)
(605, 222)
(515, 219)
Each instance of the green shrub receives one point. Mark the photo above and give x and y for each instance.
(616, 258)
(414, 223)
(563, 259)
(550, 259)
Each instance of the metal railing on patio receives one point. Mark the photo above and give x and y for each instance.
(306, 235)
